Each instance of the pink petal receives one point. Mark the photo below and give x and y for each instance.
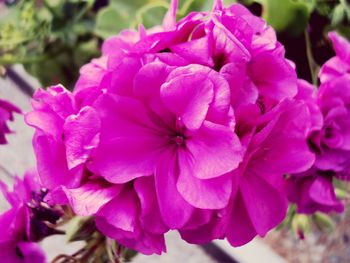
(90, 197)
(273, 76)
(203, 193)
(188, 97)
(81, 136)
(121, 212)
(174, 209)
(51, 163)
(150, 213)
(265, 205)
(213, 151)
(240, 229)
(130, 142)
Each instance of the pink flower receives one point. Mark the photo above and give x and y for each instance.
(275, 146)
(328, 137)
(6, 114)
(176, 130)
(128, 213)
(339, 64)
(188, 126)
(313, 191)
(20, 225)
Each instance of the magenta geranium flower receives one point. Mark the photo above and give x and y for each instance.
(313, 191)
(6, 114)
(19, 226)
(339, 64)
(189, 126)
(328, 137)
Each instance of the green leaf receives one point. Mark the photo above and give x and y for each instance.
(80, 228)
(286, 16)
(323, 221)
(110, 21)
(342, 194)
(151, 14)
(338, 15)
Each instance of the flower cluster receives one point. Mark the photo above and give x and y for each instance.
(191, 126)
(329, 139)
(6, 114)
(25, 222)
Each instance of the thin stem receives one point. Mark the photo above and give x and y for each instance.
(313, 67)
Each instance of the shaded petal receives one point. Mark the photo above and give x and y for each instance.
(240, 229)
(32, 252)
(266, 206)
(130, 142)
(51, 163)
(90, 197)
(121, 212)
(150, 214)
(174, 209)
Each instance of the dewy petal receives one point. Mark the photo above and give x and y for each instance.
(213, 150)
(188, 97)
(130, 143)
(91, 196)
(81, 135)
(174, 209)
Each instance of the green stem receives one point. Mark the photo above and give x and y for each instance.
(313, 67)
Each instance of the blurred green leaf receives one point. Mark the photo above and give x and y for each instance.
(287, 16)
(338, 15)
(110, 21)
(323, 221)
(151, 14)
(342, 194)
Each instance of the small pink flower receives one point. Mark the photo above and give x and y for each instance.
(6, 114)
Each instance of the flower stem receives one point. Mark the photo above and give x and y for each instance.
(313, 67)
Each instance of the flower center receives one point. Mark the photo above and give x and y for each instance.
(179, 140)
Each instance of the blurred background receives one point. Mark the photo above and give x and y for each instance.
(44, 42)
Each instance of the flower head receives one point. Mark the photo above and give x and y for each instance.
(23, 224)
(189, 126)
(6, 114)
